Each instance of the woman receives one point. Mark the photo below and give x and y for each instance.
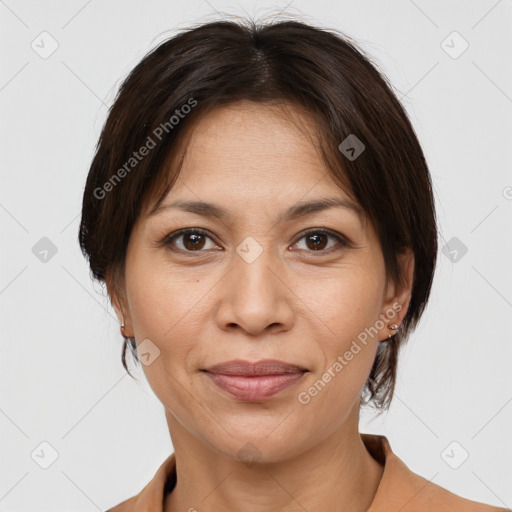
(261, 212)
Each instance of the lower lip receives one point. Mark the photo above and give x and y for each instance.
(254, 389)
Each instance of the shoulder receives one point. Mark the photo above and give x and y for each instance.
(434, 497)
(150, 498)
(402, 489)
(424, 495)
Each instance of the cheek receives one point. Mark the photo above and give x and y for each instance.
(162, 299)
(167, 307)
(166, 318)
(335, 389)
(347, 303)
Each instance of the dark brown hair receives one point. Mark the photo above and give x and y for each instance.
(318, 70)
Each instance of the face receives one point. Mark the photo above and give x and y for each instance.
(257, 284)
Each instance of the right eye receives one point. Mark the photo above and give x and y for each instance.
(193, 240)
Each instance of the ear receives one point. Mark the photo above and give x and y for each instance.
(398, 296)
(118, 301)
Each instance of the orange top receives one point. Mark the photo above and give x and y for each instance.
(399, 489)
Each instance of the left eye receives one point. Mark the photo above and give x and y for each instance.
(194, 240)
(317, 240)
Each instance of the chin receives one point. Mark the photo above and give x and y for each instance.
(263, 445)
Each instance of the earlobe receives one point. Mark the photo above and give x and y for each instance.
(398, 296)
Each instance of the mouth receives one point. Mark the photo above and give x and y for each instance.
(254, 381)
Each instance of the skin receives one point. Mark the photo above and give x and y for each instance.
(292, 303)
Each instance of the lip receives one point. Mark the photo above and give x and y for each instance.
(248, 368)
(254, 381)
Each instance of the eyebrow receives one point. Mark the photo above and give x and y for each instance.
(296, 211)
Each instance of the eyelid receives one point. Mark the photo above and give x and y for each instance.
(339, 237)
(342, 240)
(169, 239)
(325, 231)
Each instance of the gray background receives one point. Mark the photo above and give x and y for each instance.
(61, 378)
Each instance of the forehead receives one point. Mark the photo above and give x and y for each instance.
(257, 157)
(247, 144)
(255, 136)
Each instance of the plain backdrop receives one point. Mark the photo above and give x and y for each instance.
(66, 401)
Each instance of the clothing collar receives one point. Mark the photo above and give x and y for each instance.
(399, 488)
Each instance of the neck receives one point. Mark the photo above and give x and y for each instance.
(338, 473)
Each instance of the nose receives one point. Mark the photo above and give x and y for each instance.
(255, 296)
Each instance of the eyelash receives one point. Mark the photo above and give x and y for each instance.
(342, 242)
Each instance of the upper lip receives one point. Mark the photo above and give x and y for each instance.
(248, 368)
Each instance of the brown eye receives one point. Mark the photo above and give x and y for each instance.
(193, 241)
(196, 240)
(318, 240)
(188, 240)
